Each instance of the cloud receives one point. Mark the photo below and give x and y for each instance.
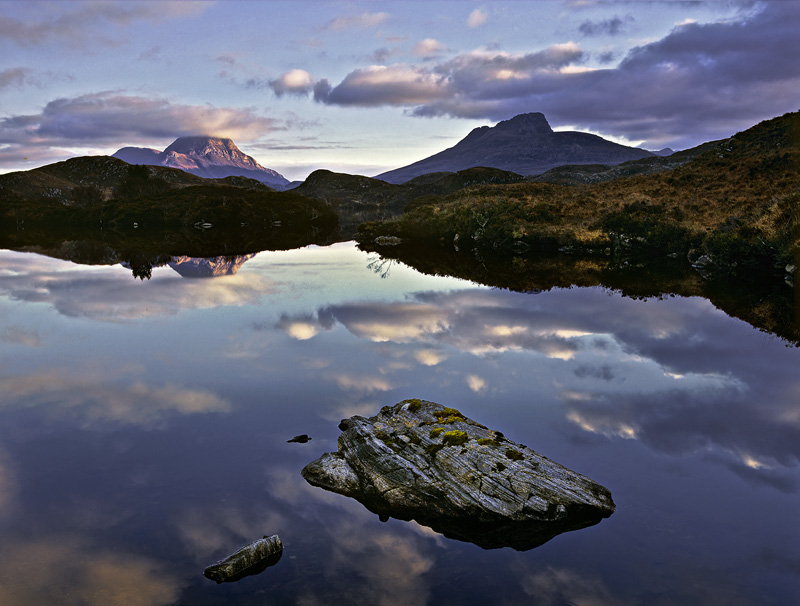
(362, 21)
(91, 402)
(607, 27)
(629, 372)
(429, 47)
(476, 383)
(698, 83)
(477, 18)
(8, 485)
(432, 88)
(64, 569)
(212, 531)
(294, 82)
(110, 117)
(551, 585)
(15, 76)
(108, 294)
(87, 22)
(20, 336)
(379, 85)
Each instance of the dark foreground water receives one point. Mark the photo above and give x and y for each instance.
(145, 424)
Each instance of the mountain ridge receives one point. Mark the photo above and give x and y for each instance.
(205, 156)
(525, 144)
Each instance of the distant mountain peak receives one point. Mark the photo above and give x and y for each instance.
(197, 143)
(524, 144)
(533, 123)
(205, 156)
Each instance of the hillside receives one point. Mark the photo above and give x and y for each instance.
(207, 157)
(736, 202)
(100, 191)
(525, 144)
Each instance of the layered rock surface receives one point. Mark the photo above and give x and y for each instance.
(420, 460)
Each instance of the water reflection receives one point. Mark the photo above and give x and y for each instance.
(95, 576)
(107, 293)
(145, 426)
(90, 401)
(676, 375)
(193, 267)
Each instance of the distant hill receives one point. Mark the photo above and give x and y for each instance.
(104, 178)
(729, 205)
(525, 145)
(208, 157)
(357, 198)
(93, 192)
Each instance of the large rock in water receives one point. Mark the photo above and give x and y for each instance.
(422, 461)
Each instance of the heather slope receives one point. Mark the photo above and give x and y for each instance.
(736, 202)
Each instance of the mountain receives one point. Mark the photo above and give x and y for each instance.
(732, 205)
(208, 157)
(525, 145)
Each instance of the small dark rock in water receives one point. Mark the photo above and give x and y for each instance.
(302, 439)
(251, 559)
(420, 460)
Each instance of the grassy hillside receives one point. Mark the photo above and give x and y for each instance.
(102, 191)
(737, 202)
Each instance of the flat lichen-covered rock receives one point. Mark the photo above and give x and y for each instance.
(423, 461)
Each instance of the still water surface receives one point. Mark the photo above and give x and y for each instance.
(145, 425)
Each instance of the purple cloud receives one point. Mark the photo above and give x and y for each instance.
(110, 117)
(700, 82)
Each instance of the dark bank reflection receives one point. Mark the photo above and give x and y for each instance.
(145, 428)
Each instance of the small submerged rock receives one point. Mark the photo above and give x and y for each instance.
(423, 461)
(301, 439)
(251, 559)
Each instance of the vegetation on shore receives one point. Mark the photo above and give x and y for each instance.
(106, 192)
(736, 203)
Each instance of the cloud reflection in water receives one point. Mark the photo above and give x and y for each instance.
(675, 374)
(110, 294)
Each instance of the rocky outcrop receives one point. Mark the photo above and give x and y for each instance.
(251, 559)
(420, 460)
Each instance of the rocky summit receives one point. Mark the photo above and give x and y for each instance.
(423, 461)
(524, 144)
(207, 157)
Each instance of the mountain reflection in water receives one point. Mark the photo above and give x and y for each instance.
(191, 267)
(146, 425)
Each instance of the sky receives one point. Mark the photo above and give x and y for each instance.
(365, 87)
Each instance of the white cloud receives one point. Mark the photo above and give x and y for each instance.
(700, 82)
(477, 18)
(108, 294)
(294, 82)
(476, 383)
(113, 116)
(429, 47)
(91, 401)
